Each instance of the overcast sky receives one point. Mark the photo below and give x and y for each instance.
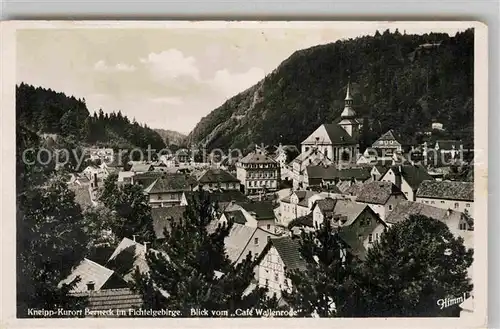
(166, 78)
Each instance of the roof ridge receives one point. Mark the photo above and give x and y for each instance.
(246, 244)
(95, 263)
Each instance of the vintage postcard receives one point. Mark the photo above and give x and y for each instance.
(244, 174)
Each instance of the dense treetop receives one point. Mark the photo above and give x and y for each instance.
(48, 112)
(399, 81)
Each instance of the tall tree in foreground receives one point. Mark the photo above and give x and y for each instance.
(325, 288)
(416, 263)
(197, 272)
(131, 213)
(51, 239)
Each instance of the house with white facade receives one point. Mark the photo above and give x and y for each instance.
(381, 197)
(360, 225)
(215, 179)
(95, 172)
(279, 256)
(455, 195)
(295, 205)
(258, 172)
(168, 190)
(407, 178)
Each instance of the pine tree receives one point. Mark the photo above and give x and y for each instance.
(416, 263)
(187, 277)
(130, 209)
(325, 288)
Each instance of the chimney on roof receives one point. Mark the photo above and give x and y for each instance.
(448, 212)
(146, 246)
(91, 286)
(133, 237)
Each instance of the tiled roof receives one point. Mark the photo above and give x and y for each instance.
(377, 192)
(450, 190)
(171, 183)
(222, 196)
(414, 175)
(354, 189)
(88, 271)
(331, 172)
(388, 136)
(356, 173)
(328, 172)
(262, 209)
(404, 209)
(349, 209)
(382, 169)
(115, 299)
(289, 251)
(216, 176)
(256, 157)
(306, 220)
(128, 256)
(326, 205)
(164, 216)
(330, 188)
(338, 135)
(237, 216)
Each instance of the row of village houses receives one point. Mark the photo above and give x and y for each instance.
(265, 231)
(363, 194)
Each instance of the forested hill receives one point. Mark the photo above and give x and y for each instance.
(399, 81)
(48, 112)
(171, 137)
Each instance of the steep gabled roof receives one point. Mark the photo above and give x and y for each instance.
(413, 175)
(389, 136)
(326, 205)
(289, 251)
(237, 239)
(88, 271)
(377, 192)
(338, 135)
(450, 190)
(236, 215)
(128, 256)
(349, 209)
(306, 220)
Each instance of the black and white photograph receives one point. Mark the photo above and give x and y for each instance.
(249, 170)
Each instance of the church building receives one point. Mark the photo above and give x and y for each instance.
(337, 142)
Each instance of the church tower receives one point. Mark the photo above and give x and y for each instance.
(349, 120)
